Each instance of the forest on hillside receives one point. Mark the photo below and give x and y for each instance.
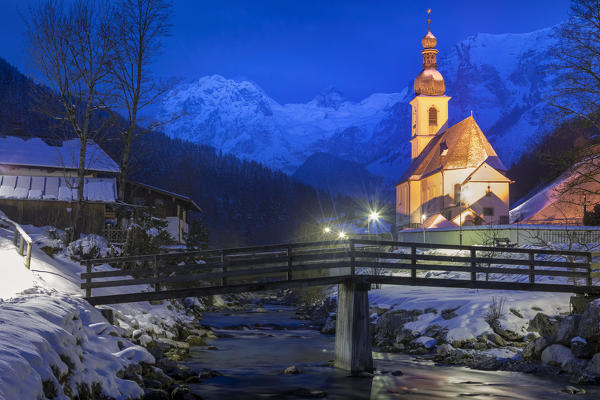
(243, 202)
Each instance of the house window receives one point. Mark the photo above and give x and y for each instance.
(457, 194)
(503, 220)
(432, 116)
(488, 211)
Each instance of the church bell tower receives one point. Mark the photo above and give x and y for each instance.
(430, 105)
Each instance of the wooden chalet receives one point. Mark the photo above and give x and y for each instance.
(38, 182)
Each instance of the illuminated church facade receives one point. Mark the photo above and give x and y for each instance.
(455, 176)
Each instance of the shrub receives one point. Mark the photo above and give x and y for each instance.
(496, 310)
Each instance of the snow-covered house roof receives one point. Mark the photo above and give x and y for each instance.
(35, 152)
(563, 199)
(56, 188)
(438, 221)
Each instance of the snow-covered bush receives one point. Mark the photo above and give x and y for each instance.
(91, 246)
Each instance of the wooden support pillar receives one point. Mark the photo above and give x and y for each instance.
(352, 339)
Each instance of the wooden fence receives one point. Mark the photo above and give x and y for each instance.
(187, 274)
(21, 239)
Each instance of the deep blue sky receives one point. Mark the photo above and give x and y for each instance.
(294, 49)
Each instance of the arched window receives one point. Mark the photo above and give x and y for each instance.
(432, 116)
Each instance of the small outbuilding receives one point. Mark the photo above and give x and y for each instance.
(173, 207)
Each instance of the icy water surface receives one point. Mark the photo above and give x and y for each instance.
(252, 358)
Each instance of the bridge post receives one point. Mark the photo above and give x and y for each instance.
(352, 338)
(88, 280)
(532, 267)
(223, 268)
(588, 279)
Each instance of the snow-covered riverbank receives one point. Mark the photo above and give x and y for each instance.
(55, 345)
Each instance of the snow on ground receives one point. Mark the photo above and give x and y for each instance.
(463, 311)
(470, 307)
(50, 335)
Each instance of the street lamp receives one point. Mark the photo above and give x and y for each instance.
(373, 216)
(342, 235)
(326, 230)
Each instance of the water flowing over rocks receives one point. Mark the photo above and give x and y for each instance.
(547, 344)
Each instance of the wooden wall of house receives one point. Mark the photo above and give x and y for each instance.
(54, 213)
(166, 205)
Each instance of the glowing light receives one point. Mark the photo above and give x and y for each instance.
(342, 235)
(423, 217)
(374, 216)
(327, 230)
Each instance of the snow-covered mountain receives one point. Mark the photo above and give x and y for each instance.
(500, 78)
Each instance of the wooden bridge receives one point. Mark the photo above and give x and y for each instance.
(354, 264)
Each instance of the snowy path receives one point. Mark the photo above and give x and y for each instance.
(14, 276)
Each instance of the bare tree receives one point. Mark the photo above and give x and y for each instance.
(142, 25)
(576, 100)
(71, 46)
(576, 62)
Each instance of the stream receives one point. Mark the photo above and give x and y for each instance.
(255, 348)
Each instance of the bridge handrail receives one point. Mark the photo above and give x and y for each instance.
(20, 238)
(464, 247)
(284, 246)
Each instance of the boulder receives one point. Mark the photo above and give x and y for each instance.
(404, 336)
(534, 348)
(575, 366)
(424, 341)
(507, 333)
(567, 328)
(291, 370)
(174, 344)
(557, 355)
(329, 326)
(445, 350)
(581, 348)
(589, 326)
(496, 339)
(573, 390)
(184, 393)
(544, 325)
(391, 323)
(593, 367)
(529, 336)
(195, 340)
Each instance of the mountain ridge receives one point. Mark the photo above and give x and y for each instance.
(502, 78)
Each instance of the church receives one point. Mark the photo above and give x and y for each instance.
(455, 176)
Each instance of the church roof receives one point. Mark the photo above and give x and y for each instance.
(461, 146)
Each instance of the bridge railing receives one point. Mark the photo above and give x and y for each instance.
(329, 262)
(21, 240)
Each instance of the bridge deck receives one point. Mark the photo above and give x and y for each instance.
(250, 269)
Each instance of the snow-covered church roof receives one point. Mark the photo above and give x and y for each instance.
(35, 152)
(466, 145)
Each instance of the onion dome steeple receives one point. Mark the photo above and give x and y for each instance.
(429, 82)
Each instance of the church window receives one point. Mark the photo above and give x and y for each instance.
(457, 194)
(432, 116)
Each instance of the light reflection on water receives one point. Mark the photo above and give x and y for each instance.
(252, 361)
